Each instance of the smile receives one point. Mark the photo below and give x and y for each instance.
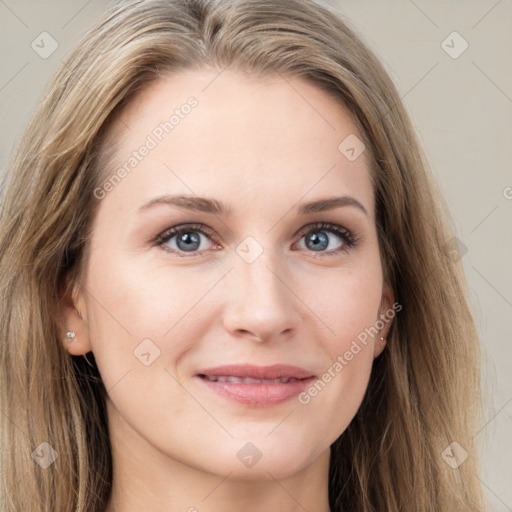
(248, 380)
(256, 386)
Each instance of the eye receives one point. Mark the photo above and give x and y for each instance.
(195, 238)
(318, 238)
(185, 238)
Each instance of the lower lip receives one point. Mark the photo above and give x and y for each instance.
(258, 395)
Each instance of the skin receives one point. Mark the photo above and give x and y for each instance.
(260, 146)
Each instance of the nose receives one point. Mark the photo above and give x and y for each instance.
(261, 304)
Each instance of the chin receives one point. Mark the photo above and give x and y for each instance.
(260, 459)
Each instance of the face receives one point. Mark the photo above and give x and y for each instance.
(249, 275)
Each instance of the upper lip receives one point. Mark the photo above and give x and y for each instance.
(275, 371)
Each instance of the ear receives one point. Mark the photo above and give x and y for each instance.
(387, 312)
(73, 318)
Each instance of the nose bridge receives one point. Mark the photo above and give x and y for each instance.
(262, 277)
(260, 300)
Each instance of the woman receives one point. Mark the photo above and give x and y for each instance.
(226, 278)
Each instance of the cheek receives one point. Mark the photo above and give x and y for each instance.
(344, 301)
(347, 308)
(138, 308)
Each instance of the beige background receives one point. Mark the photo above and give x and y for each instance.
(462, 108)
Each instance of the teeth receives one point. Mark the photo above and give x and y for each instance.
(249, 380)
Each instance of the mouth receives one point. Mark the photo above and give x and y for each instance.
(247, 380)
(256, 386)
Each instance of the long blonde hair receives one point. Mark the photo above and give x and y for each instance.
(424, 391)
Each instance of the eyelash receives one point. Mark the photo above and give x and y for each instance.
(348, 239)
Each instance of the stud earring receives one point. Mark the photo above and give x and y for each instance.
(382, 339)
(70, 336)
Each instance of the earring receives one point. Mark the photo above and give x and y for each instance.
(70, 336)
(382, 339)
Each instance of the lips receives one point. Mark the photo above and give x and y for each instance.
(277, 371)
(249, 380)
(256, 386)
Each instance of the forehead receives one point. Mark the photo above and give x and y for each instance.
(222, 132)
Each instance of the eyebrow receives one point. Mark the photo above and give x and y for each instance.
(207, 205)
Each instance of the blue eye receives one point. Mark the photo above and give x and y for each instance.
(317, 238)
(187, 238)
(195, 238)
